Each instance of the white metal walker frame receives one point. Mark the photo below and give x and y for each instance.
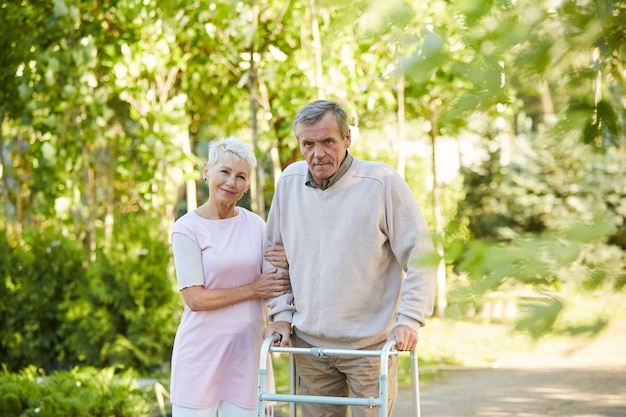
(385, 353)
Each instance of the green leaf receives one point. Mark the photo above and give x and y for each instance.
(540, 318)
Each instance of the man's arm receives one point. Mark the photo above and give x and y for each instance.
(412, 245)
(280, 309)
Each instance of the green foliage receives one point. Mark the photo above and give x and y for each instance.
(547, 186)
(10, 405)
(131, 297)
(59, 311)
(546, 222)
(41, 275)
(81, 392)
(541, 317)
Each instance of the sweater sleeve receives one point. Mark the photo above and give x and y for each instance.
(412, 245)
(187, 260)
(280, 308)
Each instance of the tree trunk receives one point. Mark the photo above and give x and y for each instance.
(191, 190)
(441, 301)
(257, 202)
(316, 49)
(90, 209)
(3, 176)
(109, 200)
(401, 127)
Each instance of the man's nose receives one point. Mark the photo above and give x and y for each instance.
(318, 152)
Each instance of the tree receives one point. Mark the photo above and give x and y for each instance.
(105, 105)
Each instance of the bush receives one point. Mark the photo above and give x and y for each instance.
(41, 276)
(60, 310)
(128, 305)
(84, 392)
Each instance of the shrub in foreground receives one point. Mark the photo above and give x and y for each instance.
(78, 392)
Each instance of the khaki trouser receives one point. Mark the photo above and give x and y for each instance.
(342, 377)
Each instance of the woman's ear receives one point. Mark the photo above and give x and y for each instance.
(205, 171)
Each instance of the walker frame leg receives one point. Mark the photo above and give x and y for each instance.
(293, 399)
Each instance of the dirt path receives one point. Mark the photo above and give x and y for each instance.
(587, 379)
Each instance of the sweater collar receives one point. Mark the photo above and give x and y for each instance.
(343, 168)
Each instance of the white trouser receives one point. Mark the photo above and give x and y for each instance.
(221, 409)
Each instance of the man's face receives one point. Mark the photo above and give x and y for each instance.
(323, 147)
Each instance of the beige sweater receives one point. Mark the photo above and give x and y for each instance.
(353, 252)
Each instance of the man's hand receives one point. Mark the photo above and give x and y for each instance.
(281, 327)
(405, 336)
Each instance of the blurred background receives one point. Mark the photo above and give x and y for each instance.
(506, 118)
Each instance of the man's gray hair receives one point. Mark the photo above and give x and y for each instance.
(315, 110)
(232, 146)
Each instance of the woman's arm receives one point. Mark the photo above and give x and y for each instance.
(188, 263)
(267, 285)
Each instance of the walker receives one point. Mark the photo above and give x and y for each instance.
(381, 402)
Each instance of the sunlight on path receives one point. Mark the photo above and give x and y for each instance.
(584, 378)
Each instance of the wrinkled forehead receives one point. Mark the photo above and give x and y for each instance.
(321, 129)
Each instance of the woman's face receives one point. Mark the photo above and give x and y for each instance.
(228, 179)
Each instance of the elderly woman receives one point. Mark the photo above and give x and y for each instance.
(218, 254)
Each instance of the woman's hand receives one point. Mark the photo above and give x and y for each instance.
(277, 257)
(271, 284)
